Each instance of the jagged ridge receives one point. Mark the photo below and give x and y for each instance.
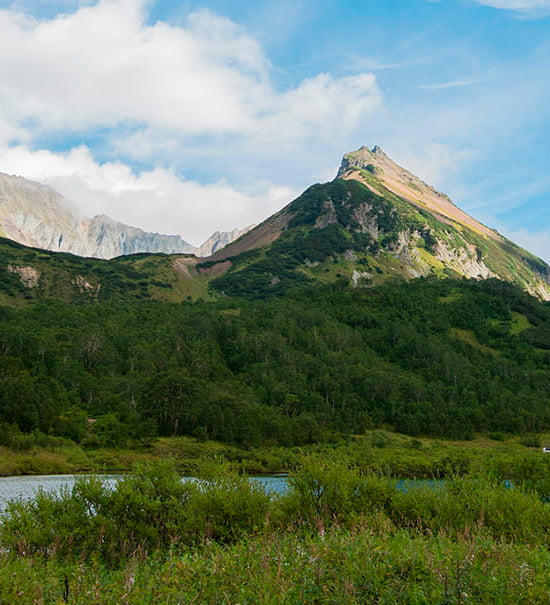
(36, 215)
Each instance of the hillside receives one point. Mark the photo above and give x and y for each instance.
(447, 358)
(375, 222)
(329, 318)
(29, 275)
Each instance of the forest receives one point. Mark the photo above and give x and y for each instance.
(445, 358)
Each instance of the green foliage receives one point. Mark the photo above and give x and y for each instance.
(148, 510)
(342, 566)
(152, 512)
(430, 357)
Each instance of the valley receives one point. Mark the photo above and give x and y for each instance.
(366, 333)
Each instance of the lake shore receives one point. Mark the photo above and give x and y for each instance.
(380, 451)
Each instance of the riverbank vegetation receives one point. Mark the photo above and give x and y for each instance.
(377, 451)
(339, 534)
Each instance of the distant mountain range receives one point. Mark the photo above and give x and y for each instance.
(36, 215)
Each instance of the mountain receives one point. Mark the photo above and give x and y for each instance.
(376, 221)
(220, 239)
(445, 357)
(36, 215)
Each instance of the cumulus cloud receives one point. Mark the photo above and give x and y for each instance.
(161, 94)
(104, 65)
(155, 200)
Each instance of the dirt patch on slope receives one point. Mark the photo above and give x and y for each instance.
(217, 269)
(261, 236)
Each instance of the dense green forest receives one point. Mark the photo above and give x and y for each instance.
(430, 357)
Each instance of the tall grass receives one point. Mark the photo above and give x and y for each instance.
(341, 566)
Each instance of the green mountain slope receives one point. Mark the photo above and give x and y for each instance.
(350, 341)
(31, 275)
(375, 222)
(425, 357)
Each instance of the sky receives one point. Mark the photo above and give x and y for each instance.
(186, 117)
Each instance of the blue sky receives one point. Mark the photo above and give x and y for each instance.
(186, 117)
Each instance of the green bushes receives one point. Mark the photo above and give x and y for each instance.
(153, 510)
(337, 536)
(324, 492)
(472, 504)
(150, 509)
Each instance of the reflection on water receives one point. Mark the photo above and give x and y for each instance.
(25, 487)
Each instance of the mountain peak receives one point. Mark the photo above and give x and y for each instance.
(375, 169)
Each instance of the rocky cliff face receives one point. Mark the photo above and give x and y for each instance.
(219, 240)
(108, 238)
(36, 215)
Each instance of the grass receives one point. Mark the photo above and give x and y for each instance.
(339, 567)
(469, 337)
(375, 451)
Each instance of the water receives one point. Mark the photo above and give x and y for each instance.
(25, 487)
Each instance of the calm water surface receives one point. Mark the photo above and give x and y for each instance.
(25, 487)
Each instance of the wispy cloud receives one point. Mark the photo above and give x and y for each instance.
(531, 8)
(443, 85)
(356, 63)
(537, 242)
(514, 197)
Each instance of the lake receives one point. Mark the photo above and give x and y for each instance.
(26, 486)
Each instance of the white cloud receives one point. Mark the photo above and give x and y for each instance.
(321, 107)
(163, 94)
(445, 85)
(103, 66)
(527, 7)
(435, 163)
(155, 200)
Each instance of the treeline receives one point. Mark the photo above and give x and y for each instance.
(436, 357)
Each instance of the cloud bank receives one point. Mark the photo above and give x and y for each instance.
(155, 200)
(152, 93)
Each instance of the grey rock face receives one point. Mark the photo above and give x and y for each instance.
(109, 238)
(219, 240)
(36, 215)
